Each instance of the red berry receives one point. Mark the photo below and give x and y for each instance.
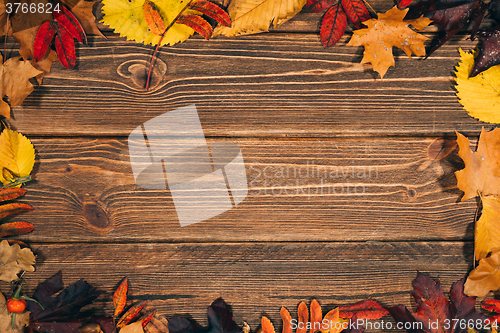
(16, 305)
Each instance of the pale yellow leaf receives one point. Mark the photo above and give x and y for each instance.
(479, 95)
(132, 328)
(254, 16)
(13, 259)
(16, 154)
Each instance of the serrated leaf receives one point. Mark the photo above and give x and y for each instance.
(65, 47)
(197, 23)
(489, 51)
(120, 297)
(16, 154)
(254, 16)
(211, 10)
(131, 314)
(15, 228)
(44, 36)
(66, 18)
(333, 25)
(153, 18)
(356, 11)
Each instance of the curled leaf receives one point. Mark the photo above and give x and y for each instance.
(43, 39)
(11, 193)
(484, 278)
(13, 260)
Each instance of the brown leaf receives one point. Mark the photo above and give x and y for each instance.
(157, 325)
(13, 259)
(132, 328)
(120, 297)
(386, 32)
(485, 277)
(21, 320)
(14, 78)
(482, 167)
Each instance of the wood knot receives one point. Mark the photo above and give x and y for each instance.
(95, 216)
(137, 71)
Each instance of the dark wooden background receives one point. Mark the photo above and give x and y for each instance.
(287, 102)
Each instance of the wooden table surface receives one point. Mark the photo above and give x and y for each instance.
(287, 102)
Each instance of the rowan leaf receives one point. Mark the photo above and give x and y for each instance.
(16, 154)
(386, 32)
(66, 19)
(303, 316)
(120, 297)
(211, 10)
(14, 83)
(131, 314)
(13, 260)
(82, 9)
(333, 25)
(13, 208)
(316, 313)
(484, 278)
(267, 326)
(127, 18)
(153, 18)
(65, 47)
(198, 24)
(11, 193)
(254, 16)
(367, 309)
(287, 320)
(356, 11)
(316, 6)
(15, 228)
(482, 170)
(44, 37)
(147, 318)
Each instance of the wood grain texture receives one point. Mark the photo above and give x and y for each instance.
(255, 278)
(279, 85)
(299, 190)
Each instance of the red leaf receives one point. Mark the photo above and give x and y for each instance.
(153, 19)
(316, 6)
(11, 193)
(197, 23)
(43, 39)
(13, 208)
(147, 318)
(212, 10)
(367, 309)
(15, 228)
(356, 12)
(333, 25)
(65, 48)
(66, 18)
(404, 3)
(130, 314)
(120, 297)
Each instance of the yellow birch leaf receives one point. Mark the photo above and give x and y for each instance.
(254, 16)
(487, 236)
(16, 154)
(127, 18)
(479, 95)
(386, 32)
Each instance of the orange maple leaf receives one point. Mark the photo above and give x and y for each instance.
(384, 33)
(485, 277)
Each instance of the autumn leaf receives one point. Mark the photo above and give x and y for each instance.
(492, 305)
(255, 16)
(333, 25)
(485, 277)
(120, 297)
(13, 260)
(479, 95)
(82, 9)
(367, 309)
(489, 51)
(16, 154)
(132, 328)
(356, 11)
(386, 32)
(434, 311)
(130, 314)
(20, 322)
(14, 80)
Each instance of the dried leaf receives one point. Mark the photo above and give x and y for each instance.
(367, 309)
(83, 12)
(14, 83)
(335, 323)
(15, 228)
(267, 326)
(333, 25)
(386, 32)
(120, 297)
(13, 208)
(11, 193)
(254, 16)
(482, 170)
(43, 39)
(479, 95)
(287, 320)
(196, 22)
(316, 6)
(13, 260)
(21, 320)
(146, 319)
(303, 315)
(65, 47)
(484, 278)
(211, 10)
(131, 314)
(489, 51)
(356, 11)
(132, 328)
(153, 18)
(316, 314)
(66, 19)
(16, 153)
(157, 325)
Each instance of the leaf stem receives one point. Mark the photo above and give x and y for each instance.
(161, 39)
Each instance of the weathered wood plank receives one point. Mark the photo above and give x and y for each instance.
(299, 190)
(282, 85)
(255, 278)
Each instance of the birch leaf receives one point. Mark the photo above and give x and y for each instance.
(254, 16)
(13, 259)
(16, 154)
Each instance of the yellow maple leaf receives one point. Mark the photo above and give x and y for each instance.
(479, 95)
(485, 277)
(127, 19)
(254, 16)
(386, 32)
(16, 154)
(14, 82)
